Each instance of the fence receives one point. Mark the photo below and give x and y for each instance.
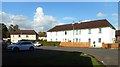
(110, 45)
(75, 44)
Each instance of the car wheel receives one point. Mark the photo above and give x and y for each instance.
(31, 48)
(16, 49)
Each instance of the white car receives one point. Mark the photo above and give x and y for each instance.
(37, 44)
(22, 45)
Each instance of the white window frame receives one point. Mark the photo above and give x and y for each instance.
(89, 31)
(100, 30)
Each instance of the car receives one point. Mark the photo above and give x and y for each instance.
(21, 45)
(37, 44)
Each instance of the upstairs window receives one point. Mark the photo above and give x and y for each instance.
(79, 31)
(99, 40)
(56, 33)
(100, 30)
(89, 31)
(76, 32)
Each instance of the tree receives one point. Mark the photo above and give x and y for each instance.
(13, 28)
(42, 33)
(4, 31)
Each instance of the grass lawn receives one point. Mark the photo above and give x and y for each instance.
(58, 58)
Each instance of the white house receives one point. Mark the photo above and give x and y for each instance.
(23, 35)
(42, 37)
(95, 32)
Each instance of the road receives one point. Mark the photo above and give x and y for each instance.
(106, 56)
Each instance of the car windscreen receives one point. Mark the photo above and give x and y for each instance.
(18, 43)
(25, 43)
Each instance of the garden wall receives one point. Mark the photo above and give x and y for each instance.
(75, 44)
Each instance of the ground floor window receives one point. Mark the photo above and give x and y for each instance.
(76, 39)
(89, 40)
(79, 40)
(65, 39)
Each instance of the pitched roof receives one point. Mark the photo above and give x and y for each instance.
(83, 25)
(29, 32)
(117, 32)
(42, 35)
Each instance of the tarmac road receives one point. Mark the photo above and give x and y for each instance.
(106, 56)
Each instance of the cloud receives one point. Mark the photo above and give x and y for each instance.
(85, 20)
(68, 18)
(100, 15)
(114, 17)
(22, 21)
(43, 22)
(115, 14)
(40, 22)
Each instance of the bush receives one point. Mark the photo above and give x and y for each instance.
(45, 43)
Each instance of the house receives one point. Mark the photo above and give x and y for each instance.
(23, 35)
(93, 32)
(42, 37)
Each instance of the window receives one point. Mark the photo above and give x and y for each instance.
(26, 35)
(79, 31)
(89, 31)
(25, 43)
(76, 32)
(89, 40)
(76, 39)
(56, 33)
(99, 40)
(73, 40)
(65, 39)
(18, 35)
(100, 30)
(79, 40)
(65, 33)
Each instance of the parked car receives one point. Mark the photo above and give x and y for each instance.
(21, 45)
(37, 44)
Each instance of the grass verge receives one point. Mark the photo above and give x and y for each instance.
(54, 58)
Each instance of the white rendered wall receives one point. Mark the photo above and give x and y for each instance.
(16, 38)
(107, 35)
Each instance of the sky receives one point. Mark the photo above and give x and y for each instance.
(60, 0)
(42, 16)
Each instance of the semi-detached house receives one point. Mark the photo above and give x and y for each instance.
(94, 32)
(23, 35)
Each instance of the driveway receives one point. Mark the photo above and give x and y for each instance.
(106, 56)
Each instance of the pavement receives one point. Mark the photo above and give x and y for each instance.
(106, 56)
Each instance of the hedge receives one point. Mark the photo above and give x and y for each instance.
(45, 43)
